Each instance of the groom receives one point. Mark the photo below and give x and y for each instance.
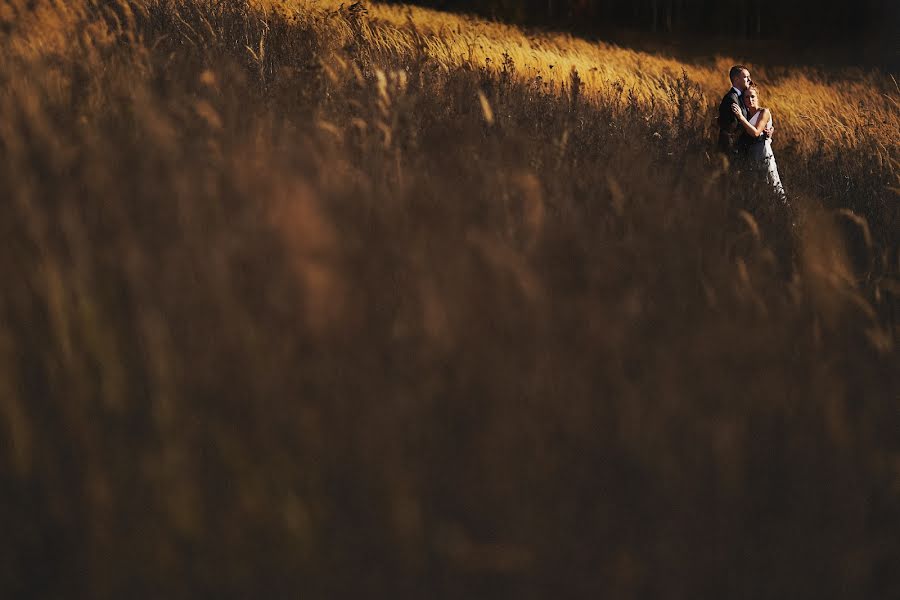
(733, 140)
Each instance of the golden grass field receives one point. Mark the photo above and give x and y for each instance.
(303, 299)
(815, 108)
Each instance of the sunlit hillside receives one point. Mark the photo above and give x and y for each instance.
(303, 299)
(815, 108)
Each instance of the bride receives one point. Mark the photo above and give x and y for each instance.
(760, 151)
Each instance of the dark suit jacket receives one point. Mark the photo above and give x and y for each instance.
(729, 128)
(733, 140)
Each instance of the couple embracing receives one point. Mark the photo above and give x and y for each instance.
(745, 129)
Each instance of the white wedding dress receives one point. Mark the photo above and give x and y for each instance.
(762, 154)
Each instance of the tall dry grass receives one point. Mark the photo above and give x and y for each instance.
(301, 300)
(839, 109)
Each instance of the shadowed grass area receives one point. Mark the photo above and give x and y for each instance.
(295, 303)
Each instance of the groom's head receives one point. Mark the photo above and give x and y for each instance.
(740, 77)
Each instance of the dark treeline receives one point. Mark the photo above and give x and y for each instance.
(823, 21)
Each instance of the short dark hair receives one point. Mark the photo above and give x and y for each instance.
(735, 71)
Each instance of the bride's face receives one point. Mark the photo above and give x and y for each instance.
(751, 99)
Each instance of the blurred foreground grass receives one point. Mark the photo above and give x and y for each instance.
(297, 304)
